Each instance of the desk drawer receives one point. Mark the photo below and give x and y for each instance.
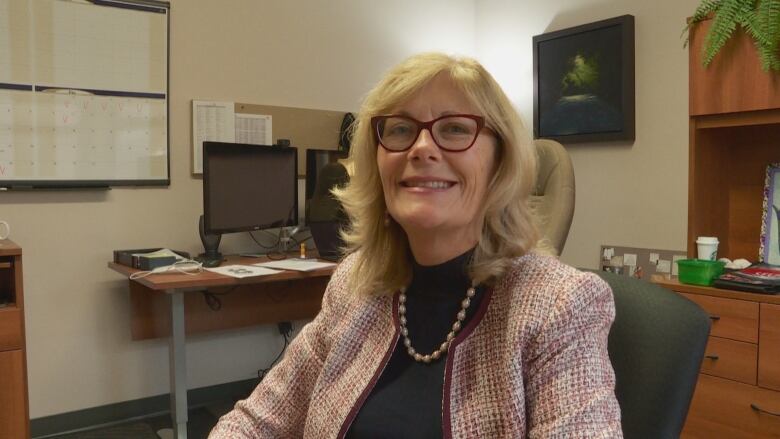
(769, 349)
(722, 409)
(735, 360)
(10, 328)
(731, 318)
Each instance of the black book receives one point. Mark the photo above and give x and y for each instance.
(733, 281)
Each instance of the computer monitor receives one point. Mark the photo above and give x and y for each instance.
(316, 160)
(248, 187)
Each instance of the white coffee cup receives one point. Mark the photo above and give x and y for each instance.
(5, 230)
(708, 247)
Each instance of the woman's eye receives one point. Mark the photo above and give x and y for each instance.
(455, 128)
(397, 130)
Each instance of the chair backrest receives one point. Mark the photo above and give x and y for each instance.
(553, 197)
(656, 346)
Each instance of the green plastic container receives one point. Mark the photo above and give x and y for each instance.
(699, 271)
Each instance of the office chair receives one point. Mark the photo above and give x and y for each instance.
(553, 196)
(656, 346)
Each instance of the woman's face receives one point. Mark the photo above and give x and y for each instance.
(430, 191)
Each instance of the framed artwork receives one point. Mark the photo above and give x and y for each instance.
(770, 243)
(584, 82)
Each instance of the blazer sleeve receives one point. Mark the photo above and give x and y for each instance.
(279, 404)
(570, 388)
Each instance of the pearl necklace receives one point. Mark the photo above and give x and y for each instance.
(435, 355)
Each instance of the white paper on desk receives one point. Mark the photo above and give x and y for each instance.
(296, 264)
(241, 271)
(254, 129)
(215, 121)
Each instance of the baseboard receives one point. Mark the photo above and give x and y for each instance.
(139, 408)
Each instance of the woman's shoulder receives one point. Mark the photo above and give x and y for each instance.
(544, 279)
(538, 290)
(541, 268)
(339, 280)
(340, 285)
(345, 266)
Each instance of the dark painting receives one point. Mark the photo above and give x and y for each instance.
(582, 88)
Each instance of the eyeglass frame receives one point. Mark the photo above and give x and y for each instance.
(376, 120)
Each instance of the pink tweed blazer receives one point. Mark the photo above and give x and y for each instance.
(531, 363)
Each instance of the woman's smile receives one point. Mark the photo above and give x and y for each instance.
(426, 184)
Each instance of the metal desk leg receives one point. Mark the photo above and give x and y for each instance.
(177, 358)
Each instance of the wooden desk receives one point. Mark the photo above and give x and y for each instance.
(738, 393)
(159, 303)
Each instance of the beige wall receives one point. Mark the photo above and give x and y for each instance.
(324, 55)
(307, 54)
(627, 194)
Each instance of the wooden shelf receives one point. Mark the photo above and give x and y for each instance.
(727, 168)
(9, 248)
(747, 118)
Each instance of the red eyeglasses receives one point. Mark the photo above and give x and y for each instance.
(453, 132)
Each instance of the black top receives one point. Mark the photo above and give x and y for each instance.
(407, 399)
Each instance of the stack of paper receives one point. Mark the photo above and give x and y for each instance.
(296, 264)
(241, 271)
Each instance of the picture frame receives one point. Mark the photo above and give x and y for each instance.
(769, 249)
(584, 82)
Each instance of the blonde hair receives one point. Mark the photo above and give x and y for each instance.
(382, 263)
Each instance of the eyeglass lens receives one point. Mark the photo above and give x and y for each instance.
(453, 133)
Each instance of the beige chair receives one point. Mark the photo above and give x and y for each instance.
(553, 197)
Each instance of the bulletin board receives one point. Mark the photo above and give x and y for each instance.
(641, 263)
(305, 128)
(83, 93)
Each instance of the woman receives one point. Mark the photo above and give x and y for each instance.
(442, 321)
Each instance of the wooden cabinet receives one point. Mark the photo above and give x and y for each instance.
(14, 414)
(733, 82)
(738, 393)
(722, 408)
(734, 125)
(769, 354)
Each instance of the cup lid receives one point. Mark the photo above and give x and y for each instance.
(707, 240)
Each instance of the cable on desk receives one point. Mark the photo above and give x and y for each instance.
(276, 256)
(285, 329)
(274, 245)
(212, 298)
(298, 241)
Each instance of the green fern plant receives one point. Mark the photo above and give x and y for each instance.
(758, 18)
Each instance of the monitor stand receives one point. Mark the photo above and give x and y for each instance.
(211, 257)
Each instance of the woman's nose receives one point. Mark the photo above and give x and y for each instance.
(424, 147)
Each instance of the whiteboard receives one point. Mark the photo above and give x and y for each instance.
(83, 93)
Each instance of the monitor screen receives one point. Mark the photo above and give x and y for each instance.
(248, 187)
(316, 159)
